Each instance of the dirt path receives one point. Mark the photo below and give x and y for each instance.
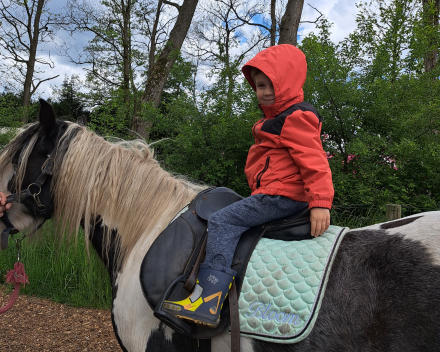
(35, 324)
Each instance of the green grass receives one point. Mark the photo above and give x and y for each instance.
(360, 215)
(355, 216)
(63, 273)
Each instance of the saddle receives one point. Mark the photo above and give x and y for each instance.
(170, 267)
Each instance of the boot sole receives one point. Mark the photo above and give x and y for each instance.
(197, 321)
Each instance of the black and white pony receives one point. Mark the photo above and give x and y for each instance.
(384, 289)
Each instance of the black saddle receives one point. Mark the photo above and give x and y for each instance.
(169, 269)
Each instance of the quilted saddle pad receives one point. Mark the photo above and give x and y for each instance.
(284, 286)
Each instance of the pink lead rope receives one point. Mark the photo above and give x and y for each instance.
(16, 277)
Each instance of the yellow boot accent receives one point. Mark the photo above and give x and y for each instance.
(210, 298)
(190, 303)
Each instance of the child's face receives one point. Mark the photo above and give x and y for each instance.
(265, 91)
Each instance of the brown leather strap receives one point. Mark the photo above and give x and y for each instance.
(235, 322)
(192, 278)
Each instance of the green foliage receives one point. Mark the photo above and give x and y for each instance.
(10, 117)
(61, 272)
(11, 114)
(180, 83)
(209, 142)
(67, 101)
(112, 118)
(380, 109)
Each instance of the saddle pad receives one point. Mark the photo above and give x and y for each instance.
(284, 286)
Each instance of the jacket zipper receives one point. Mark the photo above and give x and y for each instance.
(253, 129)
(261, 173)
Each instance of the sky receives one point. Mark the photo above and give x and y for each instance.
(341, 13)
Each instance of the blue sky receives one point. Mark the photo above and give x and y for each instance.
(341, 13)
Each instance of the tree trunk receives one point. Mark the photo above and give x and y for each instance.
(126, 44)
(273, 26)
(290, 22)
(161, 68)
(142, 128)
(33, 32)
(433, 20)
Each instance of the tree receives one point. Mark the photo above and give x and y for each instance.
(159, 70)
(380, 107)
(115, 57)
(290, 22)
(281, 26)
(431, 11)
(210, 141)
(67, 102)
(25, 26)
(217, 33)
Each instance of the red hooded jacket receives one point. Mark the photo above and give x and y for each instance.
(287, 158)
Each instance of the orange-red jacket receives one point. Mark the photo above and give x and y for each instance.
(287, 158)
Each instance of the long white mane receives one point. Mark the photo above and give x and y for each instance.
(120, 184)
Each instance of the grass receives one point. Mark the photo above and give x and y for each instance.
(62, 273)
(360, 215)
(355, 216)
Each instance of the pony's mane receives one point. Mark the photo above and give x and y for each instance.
(121, 183)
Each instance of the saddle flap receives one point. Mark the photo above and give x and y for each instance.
(215, 200)
(173, 248)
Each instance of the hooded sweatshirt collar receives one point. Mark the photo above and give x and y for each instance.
(286, 67)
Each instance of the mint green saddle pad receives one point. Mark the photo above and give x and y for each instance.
(284, 286)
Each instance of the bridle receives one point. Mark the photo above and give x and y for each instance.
(33, 190)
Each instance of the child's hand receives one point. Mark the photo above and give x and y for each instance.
(3, 207)
(320, 220)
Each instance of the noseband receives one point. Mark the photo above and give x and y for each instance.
(46, 172)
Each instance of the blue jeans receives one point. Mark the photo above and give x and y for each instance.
(226, 226)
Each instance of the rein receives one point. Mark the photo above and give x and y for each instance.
(17, 276)
(46, 172)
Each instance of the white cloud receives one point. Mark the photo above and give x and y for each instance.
(342, 13)
(63, 68)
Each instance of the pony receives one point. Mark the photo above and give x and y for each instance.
(383, 292)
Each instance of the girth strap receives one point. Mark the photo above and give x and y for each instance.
(235, 322)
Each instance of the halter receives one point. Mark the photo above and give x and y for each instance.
(46, 171)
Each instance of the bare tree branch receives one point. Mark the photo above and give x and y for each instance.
(41, 81)
(177, 6)
(317, 20)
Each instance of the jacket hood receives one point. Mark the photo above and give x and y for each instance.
(286, 67)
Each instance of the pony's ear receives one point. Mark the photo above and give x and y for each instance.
(47, 116)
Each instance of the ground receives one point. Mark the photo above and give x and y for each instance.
(39, 325)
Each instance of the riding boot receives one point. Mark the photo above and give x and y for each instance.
(205, 303)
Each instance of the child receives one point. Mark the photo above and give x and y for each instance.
(286, 168)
